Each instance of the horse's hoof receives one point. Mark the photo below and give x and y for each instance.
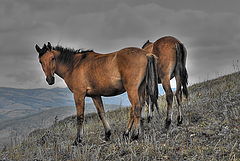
(77, 141)
(168, 123)
(179, 120)
(149, 118)
(125, 135)
(107, 135)
(134, 137)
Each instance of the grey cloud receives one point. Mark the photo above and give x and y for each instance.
(211, 38)
(123, 21)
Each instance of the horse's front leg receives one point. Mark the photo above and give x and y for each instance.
(101, 113)
(79, 101)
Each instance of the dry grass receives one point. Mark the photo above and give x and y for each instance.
(210, 131)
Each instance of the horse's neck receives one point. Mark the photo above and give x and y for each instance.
(61, 70)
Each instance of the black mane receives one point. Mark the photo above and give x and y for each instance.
(145, 43)
(67, 55)
(70, 51)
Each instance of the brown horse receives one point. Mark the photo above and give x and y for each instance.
(90, 74)
(172, 56)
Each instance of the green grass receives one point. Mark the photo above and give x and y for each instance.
(210, 131)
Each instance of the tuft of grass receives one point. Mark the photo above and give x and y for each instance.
(210, 131)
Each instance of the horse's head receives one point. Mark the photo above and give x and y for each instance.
(48, 61)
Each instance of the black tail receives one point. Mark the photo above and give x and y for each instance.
(152, 82)
(181, 63)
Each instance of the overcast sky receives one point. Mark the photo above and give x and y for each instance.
(210, 30)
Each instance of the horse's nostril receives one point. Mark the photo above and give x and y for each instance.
(50, 80)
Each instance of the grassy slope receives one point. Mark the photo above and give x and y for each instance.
(210, 131)
(12, 131)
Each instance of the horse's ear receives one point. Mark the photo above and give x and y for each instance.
(49, 46)
(44, 46)
(38, 48)
(44, 49)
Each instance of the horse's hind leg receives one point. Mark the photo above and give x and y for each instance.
(169, 98)
(179, 98)
(101, 113)
(150, 110)
(135, 113)
(130, 123)
(146, 101)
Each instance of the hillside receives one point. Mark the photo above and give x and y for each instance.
(210, 131)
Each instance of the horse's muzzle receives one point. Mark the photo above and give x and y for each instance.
(50, 80)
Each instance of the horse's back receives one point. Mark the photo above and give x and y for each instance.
(132, 63)
(131, 57)
(168, 39)
(130, 52)
(165, 45)
(105, 74)
(165, 49)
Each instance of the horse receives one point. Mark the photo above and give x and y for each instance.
(172, 56)
(91, 74)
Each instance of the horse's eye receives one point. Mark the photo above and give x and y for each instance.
(53, 58)
(40, 62)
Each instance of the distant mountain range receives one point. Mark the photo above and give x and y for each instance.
(15, 103)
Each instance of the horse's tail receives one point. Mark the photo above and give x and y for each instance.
(152, 81)
(181, 62)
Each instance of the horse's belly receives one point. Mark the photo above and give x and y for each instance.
(113, 92)
(107, 89)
